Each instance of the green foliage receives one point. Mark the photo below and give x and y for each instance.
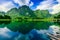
(42, 13)
(57, 19)
(7, 19)
(23, 27)
(13, 13)
(42, 25)
(18, 21)
(2, 13)
(4, 20)
(26, 11)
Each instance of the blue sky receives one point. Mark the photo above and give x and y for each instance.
(52, 5)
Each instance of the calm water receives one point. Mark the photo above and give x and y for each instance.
(6, 34)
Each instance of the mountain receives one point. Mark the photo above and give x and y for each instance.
(25, 26)
(13, 13)
(2, 13)
(42, 13)
(21, 26)
(21, 12)
(26, 11)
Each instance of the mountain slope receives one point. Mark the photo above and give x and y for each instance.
(26, 11)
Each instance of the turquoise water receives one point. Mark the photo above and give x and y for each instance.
(6, 34)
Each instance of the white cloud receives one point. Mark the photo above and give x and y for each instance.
(58, 1)
(31, 4)
(56, 9)
(22, 2)
(49, 5)
(3, 32)
(53, 29)
(45, 5)
(6, 6)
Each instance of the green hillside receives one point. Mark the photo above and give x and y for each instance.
(23, 19)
